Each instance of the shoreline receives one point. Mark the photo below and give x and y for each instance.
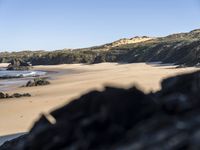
(73, 80)
(13, 83)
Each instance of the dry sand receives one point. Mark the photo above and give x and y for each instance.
(4, 64)
(17, 115)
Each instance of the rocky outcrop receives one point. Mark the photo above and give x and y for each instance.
(18, 64)
(123, 119)
(12, 143)
(182, 48)
(15, 95)
(37, 82)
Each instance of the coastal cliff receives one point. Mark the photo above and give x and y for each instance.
(182, 49)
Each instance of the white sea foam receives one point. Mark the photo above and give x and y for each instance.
(6, 73)
(12, 82)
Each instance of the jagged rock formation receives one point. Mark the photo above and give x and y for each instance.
(37, 82)
(123, 119)
(18, 64)
(15, 95)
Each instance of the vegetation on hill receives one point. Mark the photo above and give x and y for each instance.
(182, 48)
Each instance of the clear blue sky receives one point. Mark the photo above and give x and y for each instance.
(58, 24)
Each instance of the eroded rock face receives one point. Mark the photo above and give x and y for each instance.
(37, 82)
(124, 119)
(180, 94)
(2, 95)
(18, 64)
(15, 95)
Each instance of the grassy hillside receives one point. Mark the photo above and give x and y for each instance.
(182, 48)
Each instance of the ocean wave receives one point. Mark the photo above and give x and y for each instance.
(5, 73)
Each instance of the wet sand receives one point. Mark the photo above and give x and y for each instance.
(18, 115)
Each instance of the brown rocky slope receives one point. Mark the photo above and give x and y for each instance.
(182, 48)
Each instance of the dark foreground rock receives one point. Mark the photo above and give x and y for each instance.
(15, 95)
(123, 119)
(18, 64)
(13, 143)
(37, 82)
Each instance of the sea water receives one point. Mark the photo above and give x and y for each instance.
(16, 78)
(15, 74)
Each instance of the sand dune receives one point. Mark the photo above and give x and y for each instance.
(17, 115)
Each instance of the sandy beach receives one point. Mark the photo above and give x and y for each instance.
(72, 80)
(3, 64)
